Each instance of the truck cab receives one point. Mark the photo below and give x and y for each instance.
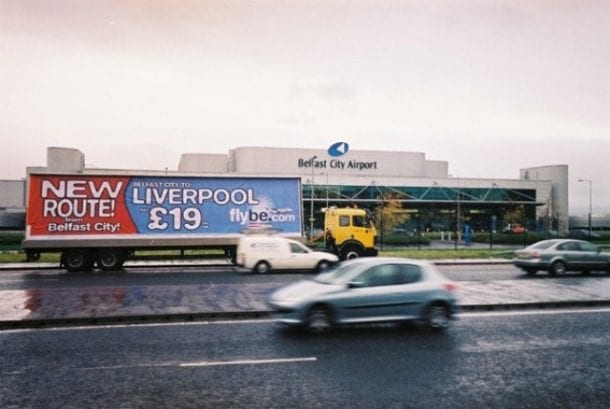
(350, 232)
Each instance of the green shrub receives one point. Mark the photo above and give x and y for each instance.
(11, 238)
(404, 240)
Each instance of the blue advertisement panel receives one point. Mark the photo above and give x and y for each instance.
(207, 206)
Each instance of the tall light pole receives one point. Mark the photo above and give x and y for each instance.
(459, 230)
(457, 214)
(311, 218)
(326, 173)
(590, 203)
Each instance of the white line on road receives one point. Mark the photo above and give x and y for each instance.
(532, 312)
(203, 364)
(247, 362)
(19, 280)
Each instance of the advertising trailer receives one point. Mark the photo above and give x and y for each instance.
(101, 220)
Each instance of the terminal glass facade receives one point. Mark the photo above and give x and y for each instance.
(483, 208)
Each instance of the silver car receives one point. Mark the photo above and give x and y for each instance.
(368, 290)
(558, 256)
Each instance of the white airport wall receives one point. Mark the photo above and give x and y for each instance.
(436, 169)
(12, 194)
(304, 162)
(557, 176)
(65, 159)
(204, 163)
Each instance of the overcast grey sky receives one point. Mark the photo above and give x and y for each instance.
(489, 86)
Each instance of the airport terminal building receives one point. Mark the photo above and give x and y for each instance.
(339, 176)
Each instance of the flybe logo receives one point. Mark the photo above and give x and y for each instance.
(338, 149)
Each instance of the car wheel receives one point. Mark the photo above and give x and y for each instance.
(558, 267)
(531, 271)
(262, 267)
(437, 317)
(322, 265)
(319, 319)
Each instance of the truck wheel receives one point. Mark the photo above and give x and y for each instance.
(32, 255)
(110, 259)
(351, 252)
(77, 260)
(262, 267)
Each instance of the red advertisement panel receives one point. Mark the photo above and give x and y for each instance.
(75, 205)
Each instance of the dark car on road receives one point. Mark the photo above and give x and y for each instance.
(558, 256)
(368, 290)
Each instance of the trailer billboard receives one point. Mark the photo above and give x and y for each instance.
(66, 206)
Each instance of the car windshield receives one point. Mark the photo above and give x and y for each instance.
(339, 274)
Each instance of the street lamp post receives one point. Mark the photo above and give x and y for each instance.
(311, 217)
(590, 203)
(326, 189)
(457, 213)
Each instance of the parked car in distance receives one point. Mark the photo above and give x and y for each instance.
(558, 256)
(263, 253)
(583, 234)
(368, 290)
(514, 228)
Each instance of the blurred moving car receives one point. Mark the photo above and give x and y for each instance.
(558, 256)
(368, 290)
(263, 253)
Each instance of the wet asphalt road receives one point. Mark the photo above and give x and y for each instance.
(501, 360)
(30, 279)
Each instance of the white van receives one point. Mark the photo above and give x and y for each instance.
(263, 253)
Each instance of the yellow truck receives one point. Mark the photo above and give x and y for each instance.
(350, 233)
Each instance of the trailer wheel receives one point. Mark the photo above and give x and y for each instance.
(110, 259)
(32, 255)
(77, 260)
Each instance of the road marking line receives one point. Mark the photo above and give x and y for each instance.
(560, 311)
(246, 362)
(202, 364)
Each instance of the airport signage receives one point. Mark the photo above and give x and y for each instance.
(335, 151)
